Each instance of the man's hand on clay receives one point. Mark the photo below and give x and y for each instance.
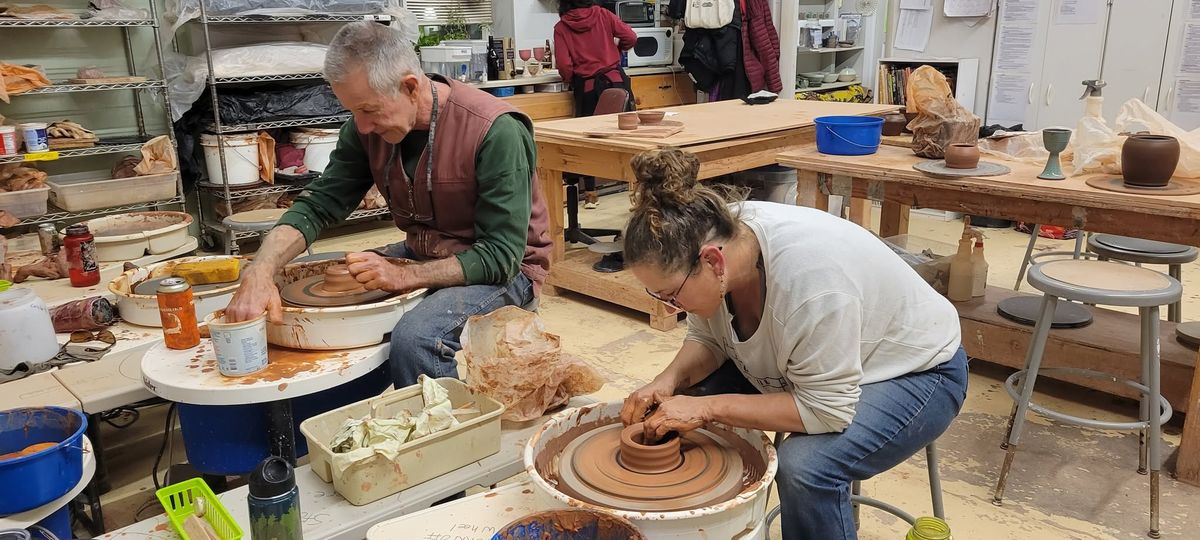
(643, 400)
(378, 273)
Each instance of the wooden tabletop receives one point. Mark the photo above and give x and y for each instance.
(894, 165)
(707, 122)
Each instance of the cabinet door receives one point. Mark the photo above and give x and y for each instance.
(1071, 55)
(664, 90)
(1015, 79)
(1133, 57)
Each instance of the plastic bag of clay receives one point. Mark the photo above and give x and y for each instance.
(940, 120)
(511, 358)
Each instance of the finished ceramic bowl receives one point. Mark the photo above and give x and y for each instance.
(651, 117)
(830, 78)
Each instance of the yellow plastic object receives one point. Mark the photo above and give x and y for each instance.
(210, 271)
(179, 501)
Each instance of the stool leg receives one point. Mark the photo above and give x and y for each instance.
(1150, 357)
(855, 489)
(1146, 402)
(1175, 310)
(1033, 235)
(935, 481)
(1078, 244)
(1033, 362)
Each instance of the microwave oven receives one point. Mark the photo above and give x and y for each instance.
(635, 13)
(654, 47)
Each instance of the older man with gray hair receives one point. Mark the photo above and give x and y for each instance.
(456, 166)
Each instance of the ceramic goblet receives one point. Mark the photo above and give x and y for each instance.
(1055, 140)
(539, 54)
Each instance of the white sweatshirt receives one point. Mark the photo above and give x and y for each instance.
(842, 310)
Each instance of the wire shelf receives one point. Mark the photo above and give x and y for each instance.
(79, 152)
(335, 119)
(76, 22)
(267, 78)
(64, 88)
(238, 194)
(233, 19)
(57, 216)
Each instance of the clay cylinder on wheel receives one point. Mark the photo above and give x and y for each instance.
(1149, 160)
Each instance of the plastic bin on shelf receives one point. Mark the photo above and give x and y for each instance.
(77, 192)
(419, 460)
(25, 203)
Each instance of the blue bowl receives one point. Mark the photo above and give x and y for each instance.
(848, 135)
(569, 524)
(36, 479)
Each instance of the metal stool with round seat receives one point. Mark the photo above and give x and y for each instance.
(857, 499)
(256, 221)
(1136, 250)
(1100, 283)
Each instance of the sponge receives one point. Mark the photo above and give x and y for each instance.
(210, 271)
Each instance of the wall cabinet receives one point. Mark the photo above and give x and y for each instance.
(663, 90)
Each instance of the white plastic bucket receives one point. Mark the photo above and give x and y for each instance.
(317, 145)
(34, 134)
(241, 158)
(241, 348)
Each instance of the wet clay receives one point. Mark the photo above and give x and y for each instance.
(282, 363)
(334, 287)
(593, 463)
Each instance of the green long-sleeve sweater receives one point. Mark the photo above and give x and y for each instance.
(502, 167)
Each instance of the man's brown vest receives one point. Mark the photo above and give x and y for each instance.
(441, 223)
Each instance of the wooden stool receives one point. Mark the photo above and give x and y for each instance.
(1136, 250)
(1097, 282)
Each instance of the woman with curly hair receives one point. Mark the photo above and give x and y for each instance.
(798, 323)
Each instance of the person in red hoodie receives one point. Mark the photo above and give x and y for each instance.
(588, 59)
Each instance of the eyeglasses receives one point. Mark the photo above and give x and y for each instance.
(673, 299)
(84, 336)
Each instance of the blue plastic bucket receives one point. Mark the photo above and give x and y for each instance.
(848, 135)
(39, 478)
(569, 524)
(57, 524)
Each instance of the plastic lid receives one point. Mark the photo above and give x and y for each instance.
(273, 477)
(5, 285)
(78, 228)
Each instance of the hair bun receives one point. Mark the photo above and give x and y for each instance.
(666, 175)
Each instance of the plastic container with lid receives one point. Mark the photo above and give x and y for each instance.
(8, 140)
(478, 66)
(241, 158)
(77, 192)
(449, 62)
(26, 203)
(317, 144)
(34, 134)
(82, 267)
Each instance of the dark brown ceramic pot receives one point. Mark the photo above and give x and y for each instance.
(1149, 160)
(962, 156)
(893, 124)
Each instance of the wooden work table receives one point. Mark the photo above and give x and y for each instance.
(1110, 344)
(727, 137)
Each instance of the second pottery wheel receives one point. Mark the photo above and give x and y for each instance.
(336, 287)
(611, 467)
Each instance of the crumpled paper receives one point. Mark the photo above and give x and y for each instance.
(157, 157)
(941, 120)
(19, 79)
(361, 438)
(511, 358)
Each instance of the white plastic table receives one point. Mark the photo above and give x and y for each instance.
(191, 376)
(327, 515)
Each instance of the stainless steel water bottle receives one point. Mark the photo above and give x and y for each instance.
(274, 501)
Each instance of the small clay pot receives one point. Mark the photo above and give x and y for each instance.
(1149, 160)
(893, 124)
(651, 117)
(962, 156)
(627, 120)
(636, 455)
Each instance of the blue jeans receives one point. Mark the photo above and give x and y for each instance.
(426, 338)
(894, 419)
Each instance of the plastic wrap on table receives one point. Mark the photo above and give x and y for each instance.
(270, 104)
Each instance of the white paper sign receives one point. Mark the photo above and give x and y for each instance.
(1185, 104)
(1194, 9)
(916, 4)
(1014, 48)
(1019, 11)
(1189, 60)
(968, 8)
(1008, 99)
(912, 29)
(1078, 12)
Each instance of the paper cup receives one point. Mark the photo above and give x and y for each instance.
(241, 347)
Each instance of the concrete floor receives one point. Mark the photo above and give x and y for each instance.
(1066, 483)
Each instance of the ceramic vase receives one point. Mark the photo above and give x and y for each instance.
(1055, 140)
(962, 156)
(1149, 160)
(893, 124)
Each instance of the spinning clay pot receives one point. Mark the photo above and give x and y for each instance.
(893, 124)
(1149, 160)
(962, 156)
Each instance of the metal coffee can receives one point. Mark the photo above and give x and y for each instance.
(177, 309)
(48, 239)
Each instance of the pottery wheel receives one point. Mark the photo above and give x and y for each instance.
(939, 168)
(335, 288)
(693, 470)
(1177, 187)
(150, 286)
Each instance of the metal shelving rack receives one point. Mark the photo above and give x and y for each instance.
(221, 193)
(101, 149)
